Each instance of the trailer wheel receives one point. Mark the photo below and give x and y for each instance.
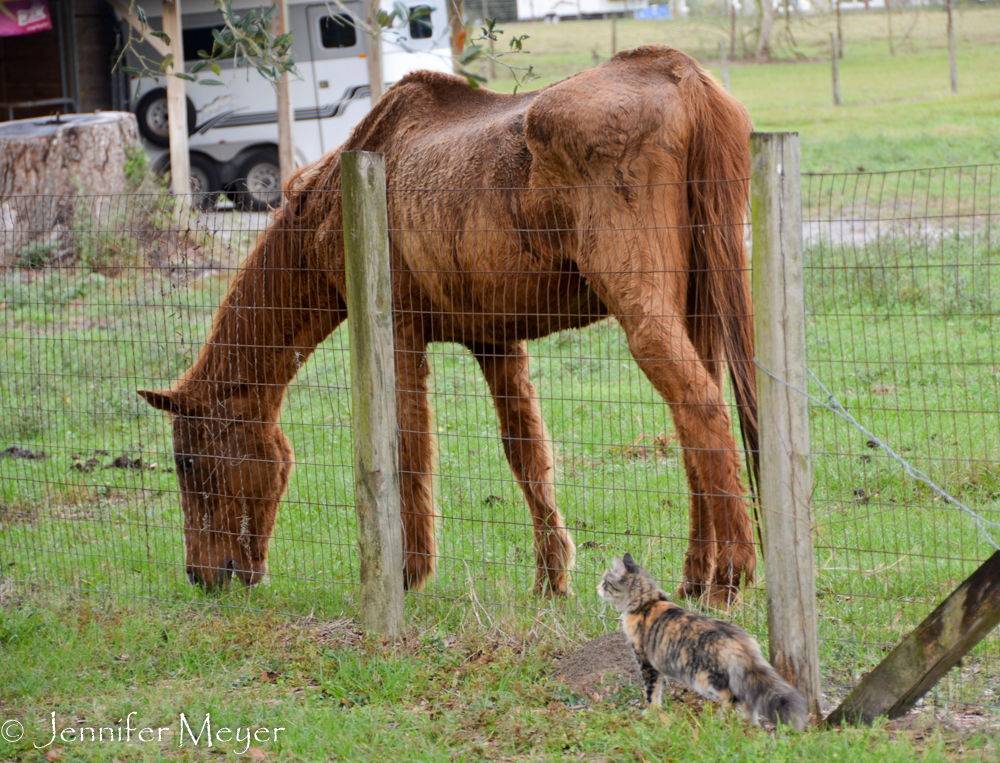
(151, 114)
(258, 183)
(205, 183)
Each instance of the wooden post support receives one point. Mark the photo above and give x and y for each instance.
(928, 652)
(373, 392)
(732, 30)
(286, 114)
(725, 65)
(952, 65)
(456, 28)
(177, 123)
(835, 64)
(376, 78)
(840, 32)
(785, 476)
(123, 10)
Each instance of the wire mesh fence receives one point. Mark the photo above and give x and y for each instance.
(116, 294)
(901, 285)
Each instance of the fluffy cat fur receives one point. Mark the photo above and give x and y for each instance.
(717, 659)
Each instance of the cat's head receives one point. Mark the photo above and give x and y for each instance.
(626, 583)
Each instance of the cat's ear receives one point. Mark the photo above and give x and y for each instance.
(617, 566)
(629, 562)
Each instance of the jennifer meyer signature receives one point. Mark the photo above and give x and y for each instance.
(206, 736)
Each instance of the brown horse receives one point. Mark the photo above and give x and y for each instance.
(620, 191)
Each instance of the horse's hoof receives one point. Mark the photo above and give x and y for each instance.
(689, 590)
(720, 597)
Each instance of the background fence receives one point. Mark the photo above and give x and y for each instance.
(901, 280)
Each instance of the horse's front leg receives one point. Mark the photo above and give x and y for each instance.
(526, 444)
(417, 453)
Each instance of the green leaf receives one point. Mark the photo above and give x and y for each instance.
(215, 67)
(200, 65)
(162, 35)
(142, 16)
(167, 61)
(187, 77)
(210, 82)
(130, 70)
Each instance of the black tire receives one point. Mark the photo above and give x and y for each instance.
(206, 183)
(258, 180)
(151, 114)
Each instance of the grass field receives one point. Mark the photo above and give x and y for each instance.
(901, 329)
(897, 111)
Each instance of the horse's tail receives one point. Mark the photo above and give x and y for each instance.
(718, 173)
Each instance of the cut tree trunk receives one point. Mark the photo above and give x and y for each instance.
(57, 170)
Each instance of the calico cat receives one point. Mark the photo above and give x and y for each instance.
(717, 659)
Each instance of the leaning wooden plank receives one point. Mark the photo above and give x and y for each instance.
(926, 654)
(145, 33)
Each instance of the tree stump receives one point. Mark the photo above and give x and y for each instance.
(56, 173)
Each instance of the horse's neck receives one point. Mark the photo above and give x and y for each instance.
(263, 332)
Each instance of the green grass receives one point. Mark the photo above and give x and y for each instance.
(901, 330)
(897, 111)
(452, 690)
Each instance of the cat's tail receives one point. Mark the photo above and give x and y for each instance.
(756, 683)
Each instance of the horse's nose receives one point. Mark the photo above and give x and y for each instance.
(212, 577)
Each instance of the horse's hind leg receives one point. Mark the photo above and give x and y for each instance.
(701, 559)
(664, 351)
(416, 456)
(733, 555)
(526, 444)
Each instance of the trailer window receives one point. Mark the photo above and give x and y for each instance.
(199, 38)
(421, 26)
(337, 31)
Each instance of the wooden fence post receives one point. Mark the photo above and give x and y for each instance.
(834, 61)
(724, 64)
(373, 392)
(785, 475)
(952, 66)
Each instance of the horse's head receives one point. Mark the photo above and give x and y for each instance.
(232, 471)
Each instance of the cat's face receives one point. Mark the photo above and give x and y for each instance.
(626, 582)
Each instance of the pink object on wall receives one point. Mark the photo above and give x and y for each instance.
(19, 17)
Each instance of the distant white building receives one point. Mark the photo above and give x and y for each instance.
(539, 9)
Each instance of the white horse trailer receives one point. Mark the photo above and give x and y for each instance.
(555, 9)
(233, 129)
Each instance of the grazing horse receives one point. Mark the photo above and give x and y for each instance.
(618, 192)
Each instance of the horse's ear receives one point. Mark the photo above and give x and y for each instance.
(629, 562)
(163, 401)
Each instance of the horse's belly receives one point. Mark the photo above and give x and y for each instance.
(500, 307)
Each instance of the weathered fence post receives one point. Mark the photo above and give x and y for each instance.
(834, 61)
(952, 66)
(373, 392)
(724, 63)
(785, 475)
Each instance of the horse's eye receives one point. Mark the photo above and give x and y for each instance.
(184, 463)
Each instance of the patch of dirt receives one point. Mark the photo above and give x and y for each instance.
(15, 452)
(335, 634)
(600, 668)
(646, 446)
